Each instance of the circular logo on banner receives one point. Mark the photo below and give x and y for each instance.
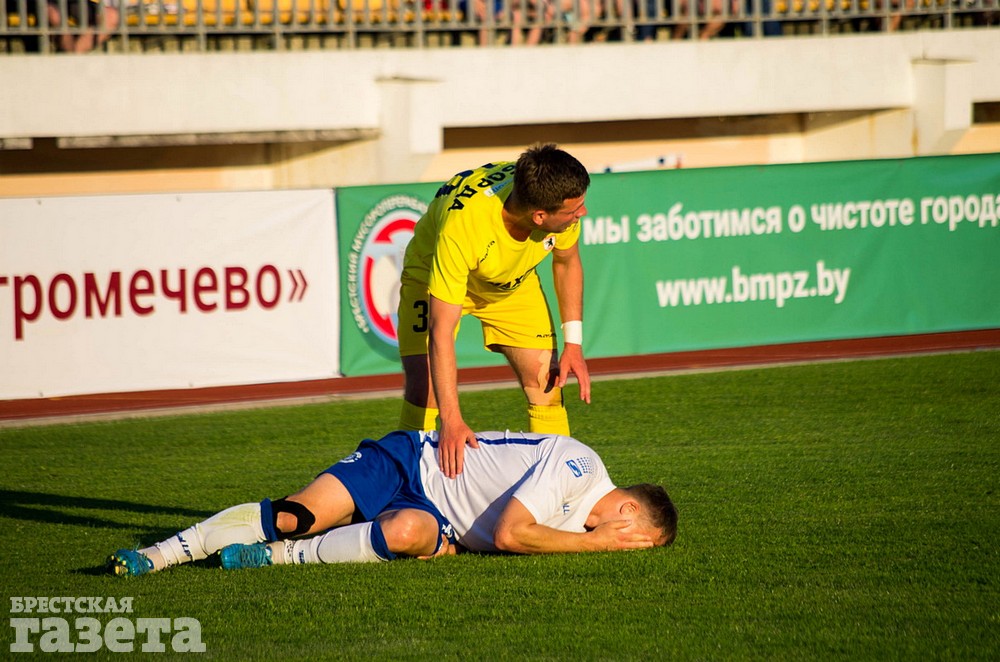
(375, 264)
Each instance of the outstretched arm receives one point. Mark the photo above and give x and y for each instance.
(444, 377)
(567, 276)
(517, 531)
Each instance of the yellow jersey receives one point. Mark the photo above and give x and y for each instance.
(461, 247)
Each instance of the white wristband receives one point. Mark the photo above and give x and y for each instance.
(573, 332)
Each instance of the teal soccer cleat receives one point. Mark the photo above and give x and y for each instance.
(238, 556)
(129, 563)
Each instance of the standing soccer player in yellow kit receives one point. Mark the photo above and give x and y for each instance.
(475, 252)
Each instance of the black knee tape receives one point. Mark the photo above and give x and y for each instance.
(304, 519)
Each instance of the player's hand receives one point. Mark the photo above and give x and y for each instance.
(446, 549)
(572, 361)
(612, 536)
(451, 446)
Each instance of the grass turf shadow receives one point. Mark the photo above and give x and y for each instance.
(43, 508)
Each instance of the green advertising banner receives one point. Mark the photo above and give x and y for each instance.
(729, 257)
(374, 224)
(743, 256)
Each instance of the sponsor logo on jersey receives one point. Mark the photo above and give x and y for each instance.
(375, 262)
(510, 286)
(549, 242)
(486, 253)
(353, 457)
(496, 188)
(580, 466)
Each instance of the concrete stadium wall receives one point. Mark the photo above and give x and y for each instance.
(388, 110)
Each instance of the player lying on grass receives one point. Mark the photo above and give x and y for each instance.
(520, 492)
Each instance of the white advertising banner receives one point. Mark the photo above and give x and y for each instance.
(146, 292)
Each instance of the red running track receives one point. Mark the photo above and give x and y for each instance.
(108, 404)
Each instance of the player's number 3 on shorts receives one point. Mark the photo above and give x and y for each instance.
(421, 325)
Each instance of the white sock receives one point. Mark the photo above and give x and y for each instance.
(346, 544)
(237, 524)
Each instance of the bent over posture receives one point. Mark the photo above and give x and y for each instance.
(520, 492)
(475, 252)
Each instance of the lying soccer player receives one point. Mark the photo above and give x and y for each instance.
(520, 492)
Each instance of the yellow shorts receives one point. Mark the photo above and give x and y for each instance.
(520, 319)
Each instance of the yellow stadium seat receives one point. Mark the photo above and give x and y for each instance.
(288, 6)
(359, 5)
(288, 11)
(14, 20)
(227, 6)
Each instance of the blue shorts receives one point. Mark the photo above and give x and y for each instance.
(384, 475)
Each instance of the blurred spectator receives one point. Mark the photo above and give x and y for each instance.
(896, 19)
(92, 23)
(646, 13)
(531, 20)
(480, 8)
(646, 17)
(529, 14)
(768, 28)
(712, 16)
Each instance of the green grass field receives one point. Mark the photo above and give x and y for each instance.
(833, 511)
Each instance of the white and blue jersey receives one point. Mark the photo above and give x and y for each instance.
(558, 479)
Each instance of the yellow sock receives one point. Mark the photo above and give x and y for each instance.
(548, 419)
(417, 418)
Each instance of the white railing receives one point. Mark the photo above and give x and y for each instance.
(201, 25)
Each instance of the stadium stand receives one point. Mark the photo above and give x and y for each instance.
(206, 25)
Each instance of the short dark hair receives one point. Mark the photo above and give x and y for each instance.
(659, 509)
(546, 176)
